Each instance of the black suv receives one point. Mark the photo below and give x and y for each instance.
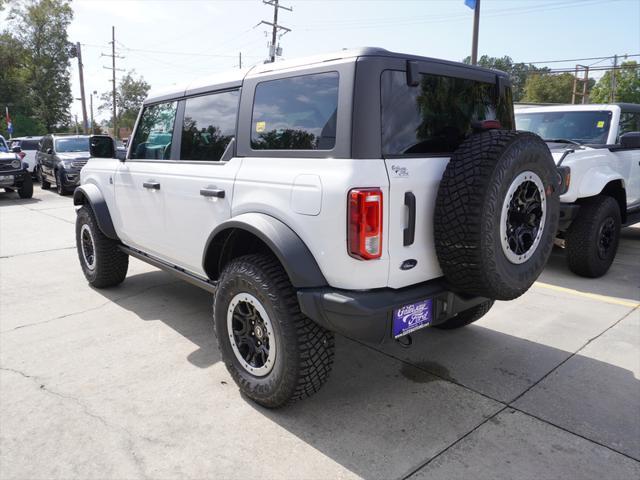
(60, 159)
(13, 171)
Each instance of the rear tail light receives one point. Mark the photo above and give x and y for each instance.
(365, 223)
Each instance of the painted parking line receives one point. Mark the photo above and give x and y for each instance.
(592, 296)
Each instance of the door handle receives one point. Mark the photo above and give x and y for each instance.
(409, 233)
(212, 192)
(151, 185)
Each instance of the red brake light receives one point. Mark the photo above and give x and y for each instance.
(365, 223)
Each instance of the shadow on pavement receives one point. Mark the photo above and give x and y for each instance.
(15, 199)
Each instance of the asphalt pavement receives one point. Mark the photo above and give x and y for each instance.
(127, 383)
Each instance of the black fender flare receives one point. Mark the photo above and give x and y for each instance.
(286, 245)
(91, 194)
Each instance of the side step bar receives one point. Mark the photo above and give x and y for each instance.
(182, 274)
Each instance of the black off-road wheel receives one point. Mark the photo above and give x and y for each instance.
(496, 214)
(591, 242)
(103, 263)
(26, 189)
(274, 353)
(466, 317)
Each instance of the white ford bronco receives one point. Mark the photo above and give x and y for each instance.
(367, 193)
(597, 151)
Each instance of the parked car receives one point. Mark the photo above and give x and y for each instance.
(29, 146)
(364, 192)
(14, 173)
(597, 148)
(60, 159)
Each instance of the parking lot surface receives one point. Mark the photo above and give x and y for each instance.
(128, 383)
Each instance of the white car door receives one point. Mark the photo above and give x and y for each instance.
(140, 181)
(199, 190)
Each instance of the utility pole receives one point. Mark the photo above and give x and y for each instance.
(476, 28)
(240, 60)
(613, 78)
(82, 97)
(113, 80)
(274, 50)
(95, 92)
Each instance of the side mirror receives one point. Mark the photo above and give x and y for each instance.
(16, 149)
(49, 151)
(102, 146)
(630, 140)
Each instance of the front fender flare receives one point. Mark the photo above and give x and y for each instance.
(91, 194)
(286, 245)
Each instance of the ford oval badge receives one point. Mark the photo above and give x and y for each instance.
(408, 264)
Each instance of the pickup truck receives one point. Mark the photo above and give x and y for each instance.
(597, 152)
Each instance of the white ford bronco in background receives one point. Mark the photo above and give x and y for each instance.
(597, 151)
(366, 192)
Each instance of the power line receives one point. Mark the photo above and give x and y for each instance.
(275, 50)
(580, 59)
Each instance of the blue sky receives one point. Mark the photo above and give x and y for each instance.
(175, 41)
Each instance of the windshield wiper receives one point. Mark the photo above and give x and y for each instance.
(561, 140)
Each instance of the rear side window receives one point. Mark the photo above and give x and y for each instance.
(297, 113)
(153, 136)
(629, 122)
(209, 125)
(437, 115)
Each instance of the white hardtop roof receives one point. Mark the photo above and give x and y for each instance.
(573, 108)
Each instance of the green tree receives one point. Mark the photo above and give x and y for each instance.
(130, 94)
(518, 71)
(627, 85)
(548, 88)
(40, 27)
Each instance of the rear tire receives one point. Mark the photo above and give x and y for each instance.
(294, 358)
(102, 261)
(26, 189)
(466, 317)
(592, 239)
(496, 214)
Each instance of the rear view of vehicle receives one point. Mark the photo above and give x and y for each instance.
(29, 147)
(14, 174)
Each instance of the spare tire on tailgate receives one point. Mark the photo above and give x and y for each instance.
(496, 213)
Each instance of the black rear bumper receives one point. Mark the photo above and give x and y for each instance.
(367, 315)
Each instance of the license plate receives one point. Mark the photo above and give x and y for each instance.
(6, 177)
(412, 317)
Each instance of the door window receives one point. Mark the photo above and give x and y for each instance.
(297, 113)
(629, 122)
(209, 125)
(153, 136)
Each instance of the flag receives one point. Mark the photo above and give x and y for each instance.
(471, 4)
(9, 123)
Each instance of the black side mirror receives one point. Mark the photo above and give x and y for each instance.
(102, 146)
(49, 151)
(630, 140)
(16, 149)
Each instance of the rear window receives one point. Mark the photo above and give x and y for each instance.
(436, 116)
(29, 144)
(297, 113)
(590, 127)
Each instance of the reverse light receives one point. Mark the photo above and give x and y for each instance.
(365, 223)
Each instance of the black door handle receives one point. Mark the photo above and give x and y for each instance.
(409, 233)
(151, 185)
(212, 192)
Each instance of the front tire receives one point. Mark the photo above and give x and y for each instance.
(26, 189)
(466, 317)
(592, 239)
(59, 186)
(274, 353)
(103, 263)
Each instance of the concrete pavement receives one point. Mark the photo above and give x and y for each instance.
(127, 382)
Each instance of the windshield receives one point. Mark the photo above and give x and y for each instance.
(3, 146)
(590, 127)
(75, 144)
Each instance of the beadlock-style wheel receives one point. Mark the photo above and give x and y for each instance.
(251, 334)
(88, 248)
(523, 217)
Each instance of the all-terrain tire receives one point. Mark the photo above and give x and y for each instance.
(26, 189)
(110, 264)
(585, 254)
(304, 350)
(469, 206)
(466, 317)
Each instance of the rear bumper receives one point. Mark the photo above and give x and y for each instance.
(568, 213)
(367, 315)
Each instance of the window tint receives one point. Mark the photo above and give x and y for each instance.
(4, 148)
(629, 122)
(297, 113)
(591, 127)
(437, 115)
(72, 144)
(152, 139)
(209, 125)
(29, 144)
